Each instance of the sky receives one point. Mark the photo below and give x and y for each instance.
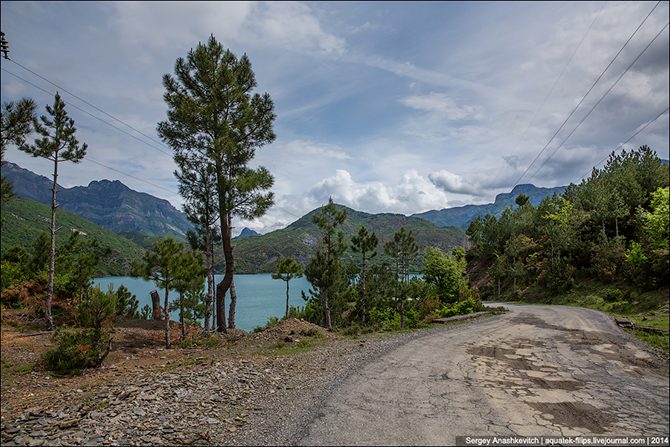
(396, 107)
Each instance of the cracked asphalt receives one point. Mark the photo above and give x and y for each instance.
(537, 370)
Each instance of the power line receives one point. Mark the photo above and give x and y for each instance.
(565, 67)
(600, 99)
(87, 112)
(87, 102)
(129, 175)
(640, 130)
(587, 93)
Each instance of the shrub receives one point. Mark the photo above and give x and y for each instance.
(354, 330)
(464, 307)
(612, 295)
(76, 350)
(272, 321)
(87, 346)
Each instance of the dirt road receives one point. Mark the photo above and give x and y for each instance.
(537, 370)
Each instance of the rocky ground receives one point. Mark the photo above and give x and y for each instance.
(250, 389)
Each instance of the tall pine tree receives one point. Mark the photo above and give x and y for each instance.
(57, 144)
(213, 113)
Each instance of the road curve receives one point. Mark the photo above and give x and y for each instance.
(537, 370)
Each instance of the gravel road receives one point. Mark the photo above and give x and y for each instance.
(537, 370)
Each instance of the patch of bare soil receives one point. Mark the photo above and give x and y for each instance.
(574, 414)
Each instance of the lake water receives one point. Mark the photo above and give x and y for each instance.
(258, 296)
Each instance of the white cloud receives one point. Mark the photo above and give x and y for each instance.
(289, 25)
(450, 182)
(413, 193)
(442, 104)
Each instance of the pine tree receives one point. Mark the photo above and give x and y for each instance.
(197, 184)
(287, 269)
(189, 276)
(160, 265)
(325, 268)
(403, 250)
(366, 244)
(57, 144)
(213, 113)
(16, 120)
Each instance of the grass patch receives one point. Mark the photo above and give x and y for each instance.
(656, 340)
(9, 370)
(286, 349)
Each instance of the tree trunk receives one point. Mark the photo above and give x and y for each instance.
(221, 307)
(498, 287)
(156, 303)
(363, 292)
(52, 258)
(616, 223)
(326, 310)
(286, 314)
(233, 304)
(233, 294)
(181, 315)
(224, 285)
(210, 277)
(166, 310)
(402, 314)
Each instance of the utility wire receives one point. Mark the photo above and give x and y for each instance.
(89, 159)
(640, 130)
(560, 76)
(87, 102)
(129, 175)
(587, 93)
(87, 112)
(600, 100)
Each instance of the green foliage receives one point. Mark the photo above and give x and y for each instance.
(445, 272)
(15, 124)
(581, 234)
(272, 321)
(76, 350)
(467, 306)
(97, 310)
(656, 223)
(287, 269)
(26, 220)
(127, 304)
(613, 295)
(86, 346)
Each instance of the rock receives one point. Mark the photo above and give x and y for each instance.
(139, 412)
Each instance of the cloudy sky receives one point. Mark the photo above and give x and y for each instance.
(386, 107)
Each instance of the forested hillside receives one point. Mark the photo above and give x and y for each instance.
(299, 240)
(611, 229)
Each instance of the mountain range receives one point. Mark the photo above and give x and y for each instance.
(110, 204)
(141, 218)
(300, 239)
(461, 216)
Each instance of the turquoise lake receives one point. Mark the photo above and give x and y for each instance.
(258, 296)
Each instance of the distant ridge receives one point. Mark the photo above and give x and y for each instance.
(110, 204)
(461, 216)
(247, 232)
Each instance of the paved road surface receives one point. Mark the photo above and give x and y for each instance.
(537, 370)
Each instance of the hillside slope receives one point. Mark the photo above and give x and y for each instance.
(461, 216)
(110, 204)
(300, 239)
(24, 220)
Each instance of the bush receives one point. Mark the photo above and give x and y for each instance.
(76, 350)
(272, 321)
(97, 310)
(464, 307)
(86, 347)
(612, 295)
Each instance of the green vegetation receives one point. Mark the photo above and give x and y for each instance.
(603, 244)
(26, 219)
(87, 345)
(299, 240)
(287, 269)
